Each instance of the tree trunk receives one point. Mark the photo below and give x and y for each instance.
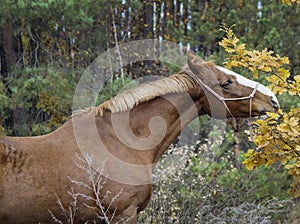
(148, 20)
(7, 49)
(17, 121)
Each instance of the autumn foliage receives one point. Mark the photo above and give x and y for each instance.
(289, 2)
(277, 137)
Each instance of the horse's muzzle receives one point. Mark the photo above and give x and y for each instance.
(274, 103)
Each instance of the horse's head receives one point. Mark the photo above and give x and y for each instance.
(230, 94)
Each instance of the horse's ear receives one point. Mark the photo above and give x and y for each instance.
(200, 67)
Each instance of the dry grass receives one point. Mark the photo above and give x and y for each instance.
(178, 197)
(95, 185)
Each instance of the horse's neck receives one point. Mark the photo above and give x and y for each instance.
(161, 120)
(129, 143)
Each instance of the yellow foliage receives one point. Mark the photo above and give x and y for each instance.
(253, 60)
(294, 86)
(289, 2)
(1, 130)
(277, 138)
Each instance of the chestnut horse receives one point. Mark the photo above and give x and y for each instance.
(135, 128)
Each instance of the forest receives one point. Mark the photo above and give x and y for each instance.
(45, 46)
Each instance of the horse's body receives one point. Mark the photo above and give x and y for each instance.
(34, 169)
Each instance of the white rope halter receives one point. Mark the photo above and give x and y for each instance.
(223, 100)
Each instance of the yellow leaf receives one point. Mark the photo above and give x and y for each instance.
(250, 153)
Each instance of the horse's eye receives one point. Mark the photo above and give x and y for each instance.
(227, 84)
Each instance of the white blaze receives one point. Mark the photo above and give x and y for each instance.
(250, 83)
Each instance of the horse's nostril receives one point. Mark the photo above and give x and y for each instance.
(274, 102)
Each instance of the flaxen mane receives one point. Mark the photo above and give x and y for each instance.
(127, 100)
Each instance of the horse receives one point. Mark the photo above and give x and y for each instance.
(41, 175)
